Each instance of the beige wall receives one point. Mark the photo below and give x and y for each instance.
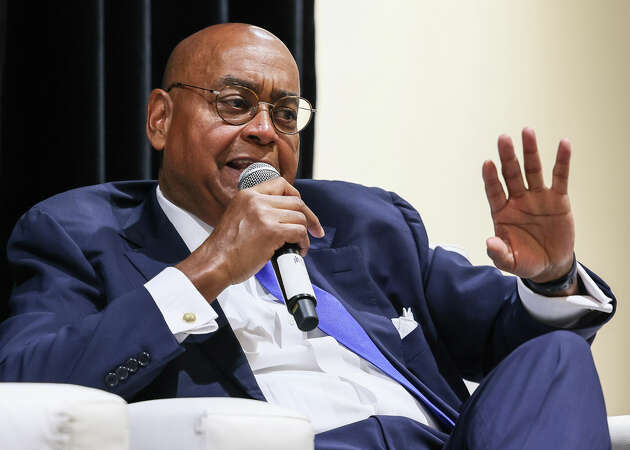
(413, 94)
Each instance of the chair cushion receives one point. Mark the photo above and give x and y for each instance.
(61, 416)
(619, 432)
(217, 424)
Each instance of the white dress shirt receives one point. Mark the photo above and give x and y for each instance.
(311, 372)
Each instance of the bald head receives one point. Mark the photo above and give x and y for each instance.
(193, 57)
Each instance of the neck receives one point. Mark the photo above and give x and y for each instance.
(182, 199)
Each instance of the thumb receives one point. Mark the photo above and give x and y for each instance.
(500, 253)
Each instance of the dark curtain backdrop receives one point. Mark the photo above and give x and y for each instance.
(75, 76)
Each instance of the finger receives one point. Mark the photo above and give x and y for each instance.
(531, 161)
(276, 186)
(510, 168)
(296, 234)
(500, 253)
(560, 182)
(296, 204)
(294, 217)
(494, 189)
(281, 187)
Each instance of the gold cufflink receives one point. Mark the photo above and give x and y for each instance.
(189, 317)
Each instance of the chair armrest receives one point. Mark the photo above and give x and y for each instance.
(217, 423)
(43, 416)
(619, 427)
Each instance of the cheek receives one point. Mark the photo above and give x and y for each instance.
(288, 156)
(208, 145)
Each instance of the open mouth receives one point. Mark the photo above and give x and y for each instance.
(241, 164)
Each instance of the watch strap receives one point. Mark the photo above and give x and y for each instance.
(554, 286)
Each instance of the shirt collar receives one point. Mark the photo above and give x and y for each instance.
(192, 230)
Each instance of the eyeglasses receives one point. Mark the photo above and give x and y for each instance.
(238, 105)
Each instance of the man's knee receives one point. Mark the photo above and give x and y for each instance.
(564, 348)
(563, 341)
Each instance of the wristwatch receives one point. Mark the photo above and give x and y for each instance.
(554, 286)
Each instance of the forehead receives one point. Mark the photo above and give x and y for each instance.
(263, 63)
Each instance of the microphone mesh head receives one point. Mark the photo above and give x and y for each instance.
(256, 174)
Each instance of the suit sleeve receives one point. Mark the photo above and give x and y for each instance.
(62, 328)
(476, 311)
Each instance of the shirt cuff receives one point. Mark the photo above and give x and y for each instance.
(563, 312)
(184, 309)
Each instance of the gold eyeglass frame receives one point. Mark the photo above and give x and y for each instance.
(254, 109)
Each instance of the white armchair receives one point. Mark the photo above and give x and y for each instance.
(39, 416)
(217, 423)
(619, 427)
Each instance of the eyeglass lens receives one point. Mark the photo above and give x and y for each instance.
(238, 105)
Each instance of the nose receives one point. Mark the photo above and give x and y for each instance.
(260, 129)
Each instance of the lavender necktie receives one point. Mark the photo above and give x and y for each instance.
(336, 321)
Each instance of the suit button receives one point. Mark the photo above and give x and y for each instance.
(122, 372)
(133, 365)
(111, 380)
(144, 358)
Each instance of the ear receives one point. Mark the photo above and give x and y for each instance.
(159, 111)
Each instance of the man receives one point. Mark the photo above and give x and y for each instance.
(154, 292)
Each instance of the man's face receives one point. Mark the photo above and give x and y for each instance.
(204, 155)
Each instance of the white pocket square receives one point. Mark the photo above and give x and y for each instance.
(405, 324)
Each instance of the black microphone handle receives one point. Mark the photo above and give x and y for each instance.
(298, 296)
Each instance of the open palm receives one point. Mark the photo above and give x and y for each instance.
(533, 225)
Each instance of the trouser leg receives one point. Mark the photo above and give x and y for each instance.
(545, 395)
(381, 433)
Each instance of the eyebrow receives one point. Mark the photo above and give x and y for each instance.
(231, 80)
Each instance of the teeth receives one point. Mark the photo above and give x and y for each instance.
(241, 163)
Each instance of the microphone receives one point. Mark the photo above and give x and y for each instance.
(287, 262)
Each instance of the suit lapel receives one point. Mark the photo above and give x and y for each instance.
(155, 245)
(343, 268)
(155, 242)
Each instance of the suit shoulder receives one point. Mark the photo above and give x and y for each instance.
(340, 191)
(95, 196)
(91, 207)
(358, 209)
(351, 196)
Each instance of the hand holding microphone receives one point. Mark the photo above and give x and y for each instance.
(287, 261)
(257, 222)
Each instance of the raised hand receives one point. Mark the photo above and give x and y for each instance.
(533, 225)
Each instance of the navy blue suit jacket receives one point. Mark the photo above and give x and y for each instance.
(79, 308)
